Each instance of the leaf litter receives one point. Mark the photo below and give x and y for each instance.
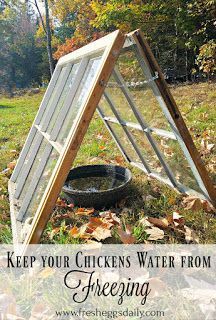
(99, 225)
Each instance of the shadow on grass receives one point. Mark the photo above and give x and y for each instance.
(6, 107)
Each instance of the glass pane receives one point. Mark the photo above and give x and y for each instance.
(119, 100)
(126, 144)
(42, 183)
(139, 86)
(176, 160)
(33, 169)
(147, 151)
(27, 164)
(105, 108)
(61, 101)
(80, 97)
(55, 94)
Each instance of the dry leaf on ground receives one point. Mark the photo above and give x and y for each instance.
(11, 165)
(206, 146)
(159, 222)
(74, 232)
(79, 232)
(98, 228)
(61, 203)
(190, 235)
(84, 211)
(148, 198)
(194, 203)
(53, 232)
(126, 236)
(119, 159)
(145, 222)
(101, 234)
(111, 217)
(13, 151)
(176, 219)
(98, 222)
(155, 233)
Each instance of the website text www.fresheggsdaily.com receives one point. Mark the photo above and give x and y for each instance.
(111, 314)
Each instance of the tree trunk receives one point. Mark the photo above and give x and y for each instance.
(49, 38)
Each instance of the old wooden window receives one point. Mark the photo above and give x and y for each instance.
(63, 117)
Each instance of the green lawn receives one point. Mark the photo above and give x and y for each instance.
(196, 103)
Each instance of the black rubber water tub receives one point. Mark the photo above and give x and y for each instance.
(96, 186)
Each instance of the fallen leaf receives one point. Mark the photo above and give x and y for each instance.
(101, 233)
(13, 151)
(5, 171)
(207, 207)
(206, 146)
(62, 216)
(194, 203)
(155, 233)
(190, 235)
(95, 159)
(119, 159)
(11, 165)
(97, 222)
(99, 136)
(126, 236)
(148, 198)
(103, 154)
(79, 232)
(74, 232)
(160, 223)
(175, 219)
(61, 203)
(111, 217)
(102, 147)
(210, 146)
(53, 232)
(145, 222)
(84, 212)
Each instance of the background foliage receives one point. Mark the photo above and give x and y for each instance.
(181, 34)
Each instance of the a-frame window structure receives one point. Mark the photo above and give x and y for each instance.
(119, 75)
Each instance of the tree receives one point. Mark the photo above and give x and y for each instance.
(47, 30)
(206, 58)
(19, 55)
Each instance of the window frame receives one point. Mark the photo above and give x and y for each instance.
(172, 114)
(110, 45)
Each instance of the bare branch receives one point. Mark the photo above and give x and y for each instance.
(40, 15)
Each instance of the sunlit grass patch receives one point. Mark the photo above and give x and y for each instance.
(195, 101)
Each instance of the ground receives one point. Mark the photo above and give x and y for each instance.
(147, 197)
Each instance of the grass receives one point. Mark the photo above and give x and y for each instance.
(196, 102)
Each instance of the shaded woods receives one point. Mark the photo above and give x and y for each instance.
(35, 34)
